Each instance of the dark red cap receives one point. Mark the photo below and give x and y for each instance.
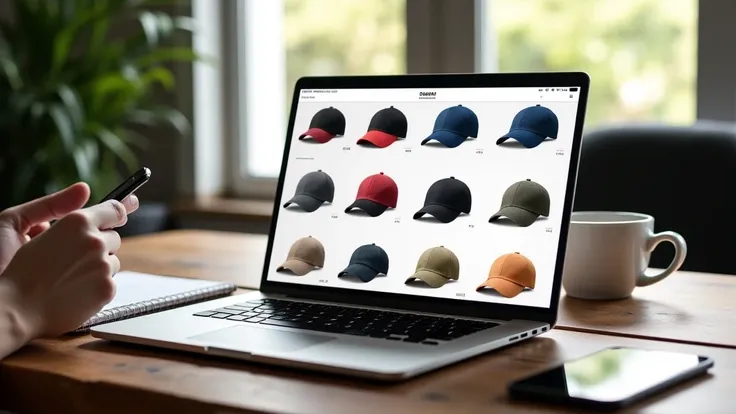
(375, 194)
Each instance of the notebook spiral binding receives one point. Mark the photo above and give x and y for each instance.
(157, 305)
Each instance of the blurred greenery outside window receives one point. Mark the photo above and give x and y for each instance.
(640, 54)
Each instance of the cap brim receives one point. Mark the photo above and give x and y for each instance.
(527, 138)
(439, 212)
(296, 266)
(378, 138)
(317, 134)
(446, 138)
(306, 202)
(361, 271)
(430, 278)
(519, 216)
(505, 287)
(371, 207)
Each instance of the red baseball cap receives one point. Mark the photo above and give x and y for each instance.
(376, 194)
(386, 126)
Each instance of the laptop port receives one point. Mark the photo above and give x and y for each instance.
(534, 332)
(513, 338)
(523, 335)
(544, 329)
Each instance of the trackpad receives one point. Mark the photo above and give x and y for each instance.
(259, 340)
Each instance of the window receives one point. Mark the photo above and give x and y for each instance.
(283, 40)
(641, 55)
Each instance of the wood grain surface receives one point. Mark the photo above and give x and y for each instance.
(84, 375)
(687, 307)
(79, 374)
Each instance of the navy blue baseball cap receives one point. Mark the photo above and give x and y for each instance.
(453, 126)
(366, 263)
(532, 125)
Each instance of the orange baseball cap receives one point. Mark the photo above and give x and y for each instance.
(510, 274)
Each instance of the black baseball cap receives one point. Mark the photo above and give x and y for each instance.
(312, 190)
(446, 199)
(366, 263)
(326, 124)
(386, 126)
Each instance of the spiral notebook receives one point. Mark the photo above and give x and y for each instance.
(141, 293)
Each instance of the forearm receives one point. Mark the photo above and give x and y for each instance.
(13, 334)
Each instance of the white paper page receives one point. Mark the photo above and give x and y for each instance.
(133, 287)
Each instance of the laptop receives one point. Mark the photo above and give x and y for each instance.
(419, 221)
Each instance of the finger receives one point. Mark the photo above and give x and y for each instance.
(38, 228)
(50, 207)
(112, 240)
(114, 264)
(107, 215)
(131, 203)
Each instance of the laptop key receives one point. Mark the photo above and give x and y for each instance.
(220, 315)
(236, 318)
(255, 319)
(285, 324)
(205, 313)
(430, 342)
(229, 311)
(355, 333)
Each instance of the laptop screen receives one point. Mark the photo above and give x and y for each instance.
(444, 193)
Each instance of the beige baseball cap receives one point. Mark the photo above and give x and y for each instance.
(304, 255)
(436, 266)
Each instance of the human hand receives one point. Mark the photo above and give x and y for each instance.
(62, 277)
(20, 224)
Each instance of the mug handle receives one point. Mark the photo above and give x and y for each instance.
(680, 253)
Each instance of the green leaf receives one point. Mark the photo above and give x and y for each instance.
(170, 54)
(73, 105)
(99, 29)
(85, 158)
(64, 40)
(113, 142)
(158, 116)
(150, 25)
(160, 75)
(133, 139)
(64, 126)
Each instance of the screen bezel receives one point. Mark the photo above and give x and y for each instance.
(456, 307)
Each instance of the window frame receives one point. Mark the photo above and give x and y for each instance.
(434, 28)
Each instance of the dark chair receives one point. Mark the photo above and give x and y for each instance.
(683, 176)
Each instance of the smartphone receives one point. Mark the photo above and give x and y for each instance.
(611, 378)
(129, 186)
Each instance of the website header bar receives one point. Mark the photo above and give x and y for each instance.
(557, 94)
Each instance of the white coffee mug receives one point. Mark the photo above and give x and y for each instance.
(608, 254)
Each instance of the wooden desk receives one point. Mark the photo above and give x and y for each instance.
(84, 375)
(687, 307)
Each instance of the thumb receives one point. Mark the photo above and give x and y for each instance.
(50, 207)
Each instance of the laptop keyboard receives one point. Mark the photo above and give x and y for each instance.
(391, 326)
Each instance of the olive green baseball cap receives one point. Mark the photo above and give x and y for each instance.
(523, 203)
(436, 266)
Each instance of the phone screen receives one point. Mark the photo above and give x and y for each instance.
(611, 375)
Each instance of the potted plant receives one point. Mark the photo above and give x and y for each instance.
(77, 80)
